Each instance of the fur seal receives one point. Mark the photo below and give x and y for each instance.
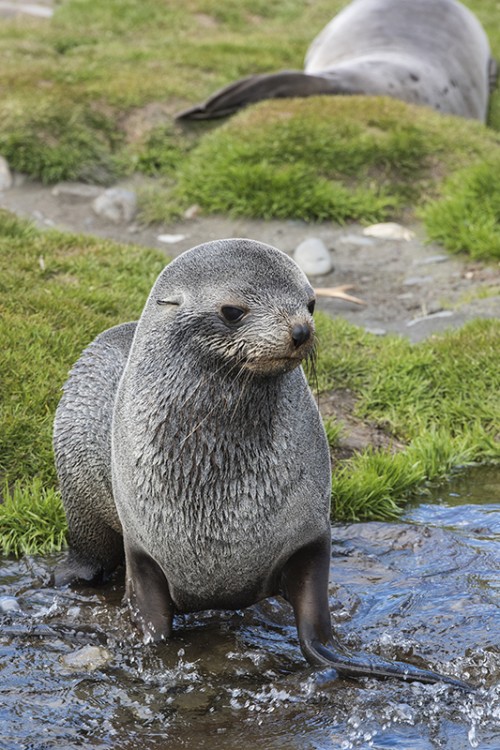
(428, 52)
(190, 442)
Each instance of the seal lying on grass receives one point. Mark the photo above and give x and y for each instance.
(193, 436)
(430, 52)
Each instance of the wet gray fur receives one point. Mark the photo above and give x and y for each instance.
(218, 470)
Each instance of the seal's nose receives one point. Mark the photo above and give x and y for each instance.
(300, 334)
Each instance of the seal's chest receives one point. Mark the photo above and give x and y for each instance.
(219, 574)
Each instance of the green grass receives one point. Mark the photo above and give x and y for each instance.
(58, 291)
(91, 96)
(32, 520)
(363, 159)
(375, 484)
(467, 217)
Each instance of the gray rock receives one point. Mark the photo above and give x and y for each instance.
(376, 331)
(416, 280)
(9, 604)
(430, 318)
(89, 658)
(76, 192)
(431, 260)
(357, 239)
(116, 204)
(433, 307)
(5, 175)
(313, 257)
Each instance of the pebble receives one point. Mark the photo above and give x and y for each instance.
(389, 231)
(5, 175)
(415, 280)
(426, 318)
(9, 604)
(313, 257)
(431, 259)
(171, 239)
(89, 658)
(357, 239)
(116, 204)
(432, 308)
(376, 331)
(192, 211)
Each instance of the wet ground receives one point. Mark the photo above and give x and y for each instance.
(74, 673)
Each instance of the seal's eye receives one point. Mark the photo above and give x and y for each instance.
(311, 305)
(232, 314)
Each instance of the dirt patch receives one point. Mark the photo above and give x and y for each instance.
(356, 435)
(410, 288)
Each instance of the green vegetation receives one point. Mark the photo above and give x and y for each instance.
(58, 291)
(363, 159)
(31, 520)
(440, 397)
(91, 96)
(467, 217)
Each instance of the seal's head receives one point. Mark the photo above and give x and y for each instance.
(238, 303)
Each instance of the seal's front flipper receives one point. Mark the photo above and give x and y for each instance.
(305, 586)
(287, 83)
(148, 595)
(90, 562)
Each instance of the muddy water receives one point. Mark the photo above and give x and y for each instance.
(74, 674)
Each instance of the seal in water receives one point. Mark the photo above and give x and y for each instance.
(192, 436)
(429, 52)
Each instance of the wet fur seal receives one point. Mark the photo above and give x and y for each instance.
(427, 52)
(190, 444)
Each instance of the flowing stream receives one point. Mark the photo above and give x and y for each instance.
(75, 674)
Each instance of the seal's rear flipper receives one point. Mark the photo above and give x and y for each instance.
(305, 586)
(287, 83)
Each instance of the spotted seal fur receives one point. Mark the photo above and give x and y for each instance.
(428, 52)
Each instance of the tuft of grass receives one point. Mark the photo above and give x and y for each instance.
(440, 397)
(52, 146)
(163, 150)
(333, 431)
(409, 388)
(467, 217)
(32, 519)
(376, 484)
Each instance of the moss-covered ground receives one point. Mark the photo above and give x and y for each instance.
(91, 96)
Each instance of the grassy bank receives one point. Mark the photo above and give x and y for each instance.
(91, 95)
(57, 291)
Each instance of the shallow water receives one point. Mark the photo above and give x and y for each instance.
(74, 673)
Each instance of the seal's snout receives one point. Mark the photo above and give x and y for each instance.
(300, 334)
